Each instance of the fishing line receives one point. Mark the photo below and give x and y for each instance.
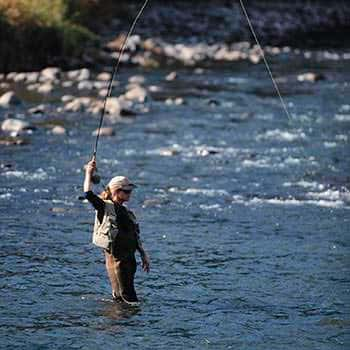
(267, 66)
(115, 70)
(265, 60)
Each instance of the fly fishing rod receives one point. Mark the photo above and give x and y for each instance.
(95, 177)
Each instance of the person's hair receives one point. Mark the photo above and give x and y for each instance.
(106, 194)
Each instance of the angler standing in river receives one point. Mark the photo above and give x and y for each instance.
(117, 232)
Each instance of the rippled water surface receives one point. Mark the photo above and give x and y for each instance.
(245, 215)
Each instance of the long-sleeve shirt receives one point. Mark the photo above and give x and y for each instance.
(128, 238)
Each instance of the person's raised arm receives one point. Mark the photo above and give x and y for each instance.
(90, 168)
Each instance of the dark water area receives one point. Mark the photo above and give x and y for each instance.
(245, 215)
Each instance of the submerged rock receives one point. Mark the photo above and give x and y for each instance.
(9, 99)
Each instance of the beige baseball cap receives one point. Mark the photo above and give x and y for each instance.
(120, 182)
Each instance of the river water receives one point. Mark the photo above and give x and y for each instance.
(245, 215)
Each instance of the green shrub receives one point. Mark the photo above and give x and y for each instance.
(34, 33)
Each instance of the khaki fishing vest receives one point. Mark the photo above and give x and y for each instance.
(106, 231)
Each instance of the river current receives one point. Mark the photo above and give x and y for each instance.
(244, 213)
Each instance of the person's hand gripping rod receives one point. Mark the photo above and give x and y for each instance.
(91, 170)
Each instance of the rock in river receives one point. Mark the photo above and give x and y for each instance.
(85, 85)
(14, 125)
(79, 75)
(9, 99)
(137, 79)
(171, 76)
(78, 105)
(310, 77)
(45, 88)
(137, 93)
(104, 76)
(50, 74)
(58, 130)
(107, 131)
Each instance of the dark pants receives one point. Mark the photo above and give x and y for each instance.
(125, 273)
(121, 273)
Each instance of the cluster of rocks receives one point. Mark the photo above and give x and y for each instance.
(131, 101)
(155, 52)
(89, 90)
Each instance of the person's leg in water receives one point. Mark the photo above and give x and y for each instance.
(125, 271)
(112, 274)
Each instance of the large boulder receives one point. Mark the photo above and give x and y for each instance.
(12, 125)
(9, 99)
